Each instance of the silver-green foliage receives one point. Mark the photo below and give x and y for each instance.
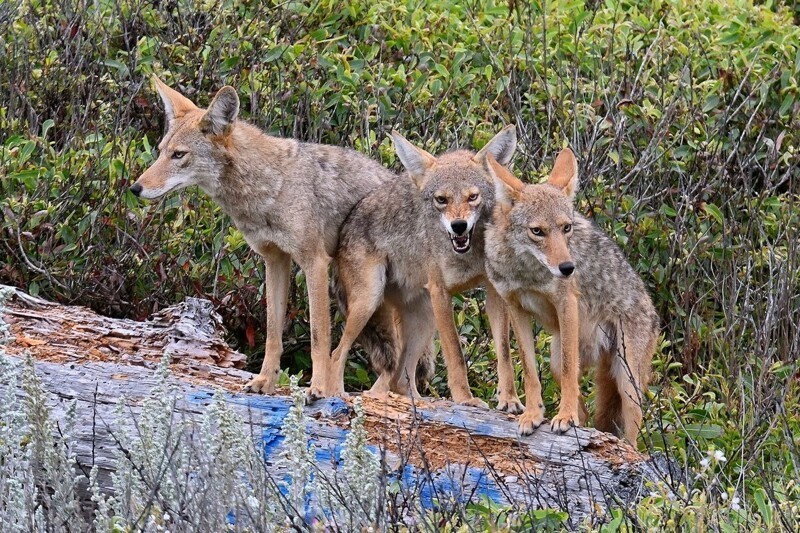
(38, 479)
(173, 473)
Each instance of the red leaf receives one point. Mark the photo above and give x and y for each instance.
(250, 333)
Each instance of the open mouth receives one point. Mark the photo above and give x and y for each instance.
(461, 243)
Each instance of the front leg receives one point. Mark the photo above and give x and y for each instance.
(324, 382)
(451, 347)
(279, 269)
(568, 326)
(507, 399)
(533, 416)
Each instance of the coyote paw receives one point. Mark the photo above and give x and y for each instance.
(563, 421)
(260, 385)
(475, 402)
(313, 394)
(510, 405)
(380, 394)
(529, 421)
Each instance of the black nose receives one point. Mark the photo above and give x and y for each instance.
(136, 189)
(459, 226)
(566, 268)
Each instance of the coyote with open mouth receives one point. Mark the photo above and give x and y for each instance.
(406, 249)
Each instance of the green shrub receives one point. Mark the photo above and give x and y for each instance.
(684, 116)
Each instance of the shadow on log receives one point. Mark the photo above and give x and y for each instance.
(443, 449)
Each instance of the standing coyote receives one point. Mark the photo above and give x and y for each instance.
(289, 199)
(407, 248)
(600, 315)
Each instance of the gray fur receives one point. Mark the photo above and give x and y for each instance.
(289, 199)
(611, 292)
(617, 323)
(398, 229)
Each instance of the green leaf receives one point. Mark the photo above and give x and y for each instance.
(711, 103)
(788, 100)
(49, 123)
(274, 54)
(764, 506)
(704, 431)
(120, 67)
(715, 212)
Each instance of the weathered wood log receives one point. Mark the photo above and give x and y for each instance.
(465, 452)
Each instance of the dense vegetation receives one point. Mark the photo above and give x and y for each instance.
(684, 116)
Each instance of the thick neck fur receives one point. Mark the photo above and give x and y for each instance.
(253, 170)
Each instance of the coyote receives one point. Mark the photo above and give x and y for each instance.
(289, 199)
(406, 249)
(551, 263)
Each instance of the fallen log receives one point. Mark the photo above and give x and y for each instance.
(445, 449)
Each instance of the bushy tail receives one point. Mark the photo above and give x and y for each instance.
(378, 336)
(426, 366)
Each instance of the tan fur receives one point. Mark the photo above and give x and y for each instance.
(599, 316)
(289, 199)
(409, 247)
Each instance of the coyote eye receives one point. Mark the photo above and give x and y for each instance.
(441, 200)
(537, 231)
(177, 154)
(473, 197)
(567, 228)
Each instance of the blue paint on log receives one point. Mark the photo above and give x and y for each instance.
(439, 486)
(332, 407)
(485, 484)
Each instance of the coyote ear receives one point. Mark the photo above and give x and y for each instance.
(221, 113)
(416, 160)
(175, 104)
(565, 173)
(501, 146)
(506, 186)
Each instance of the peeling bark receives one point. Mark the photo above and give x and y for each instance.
(459, 450)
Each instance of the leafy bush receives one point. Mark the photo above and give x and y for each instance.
(684, 116)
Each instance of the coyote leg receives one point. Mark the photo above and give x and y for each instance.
(568, 326)
(451, 347)
(533, 416)
(363, 299)
(322, 383)
(507, 399)
(279, 265)
(416, 330)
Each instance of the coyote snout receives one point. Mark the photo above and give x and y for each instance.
(460, 232)
(566, 268)
(460, 208)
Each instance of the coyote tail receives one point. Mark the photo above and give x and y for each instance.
(426, 366)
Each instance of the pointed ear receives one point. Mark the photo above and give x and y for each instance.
(565, 173)
(501, 146)
(416, 160)
(507, 187)
(175, 104)
(221, 113)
